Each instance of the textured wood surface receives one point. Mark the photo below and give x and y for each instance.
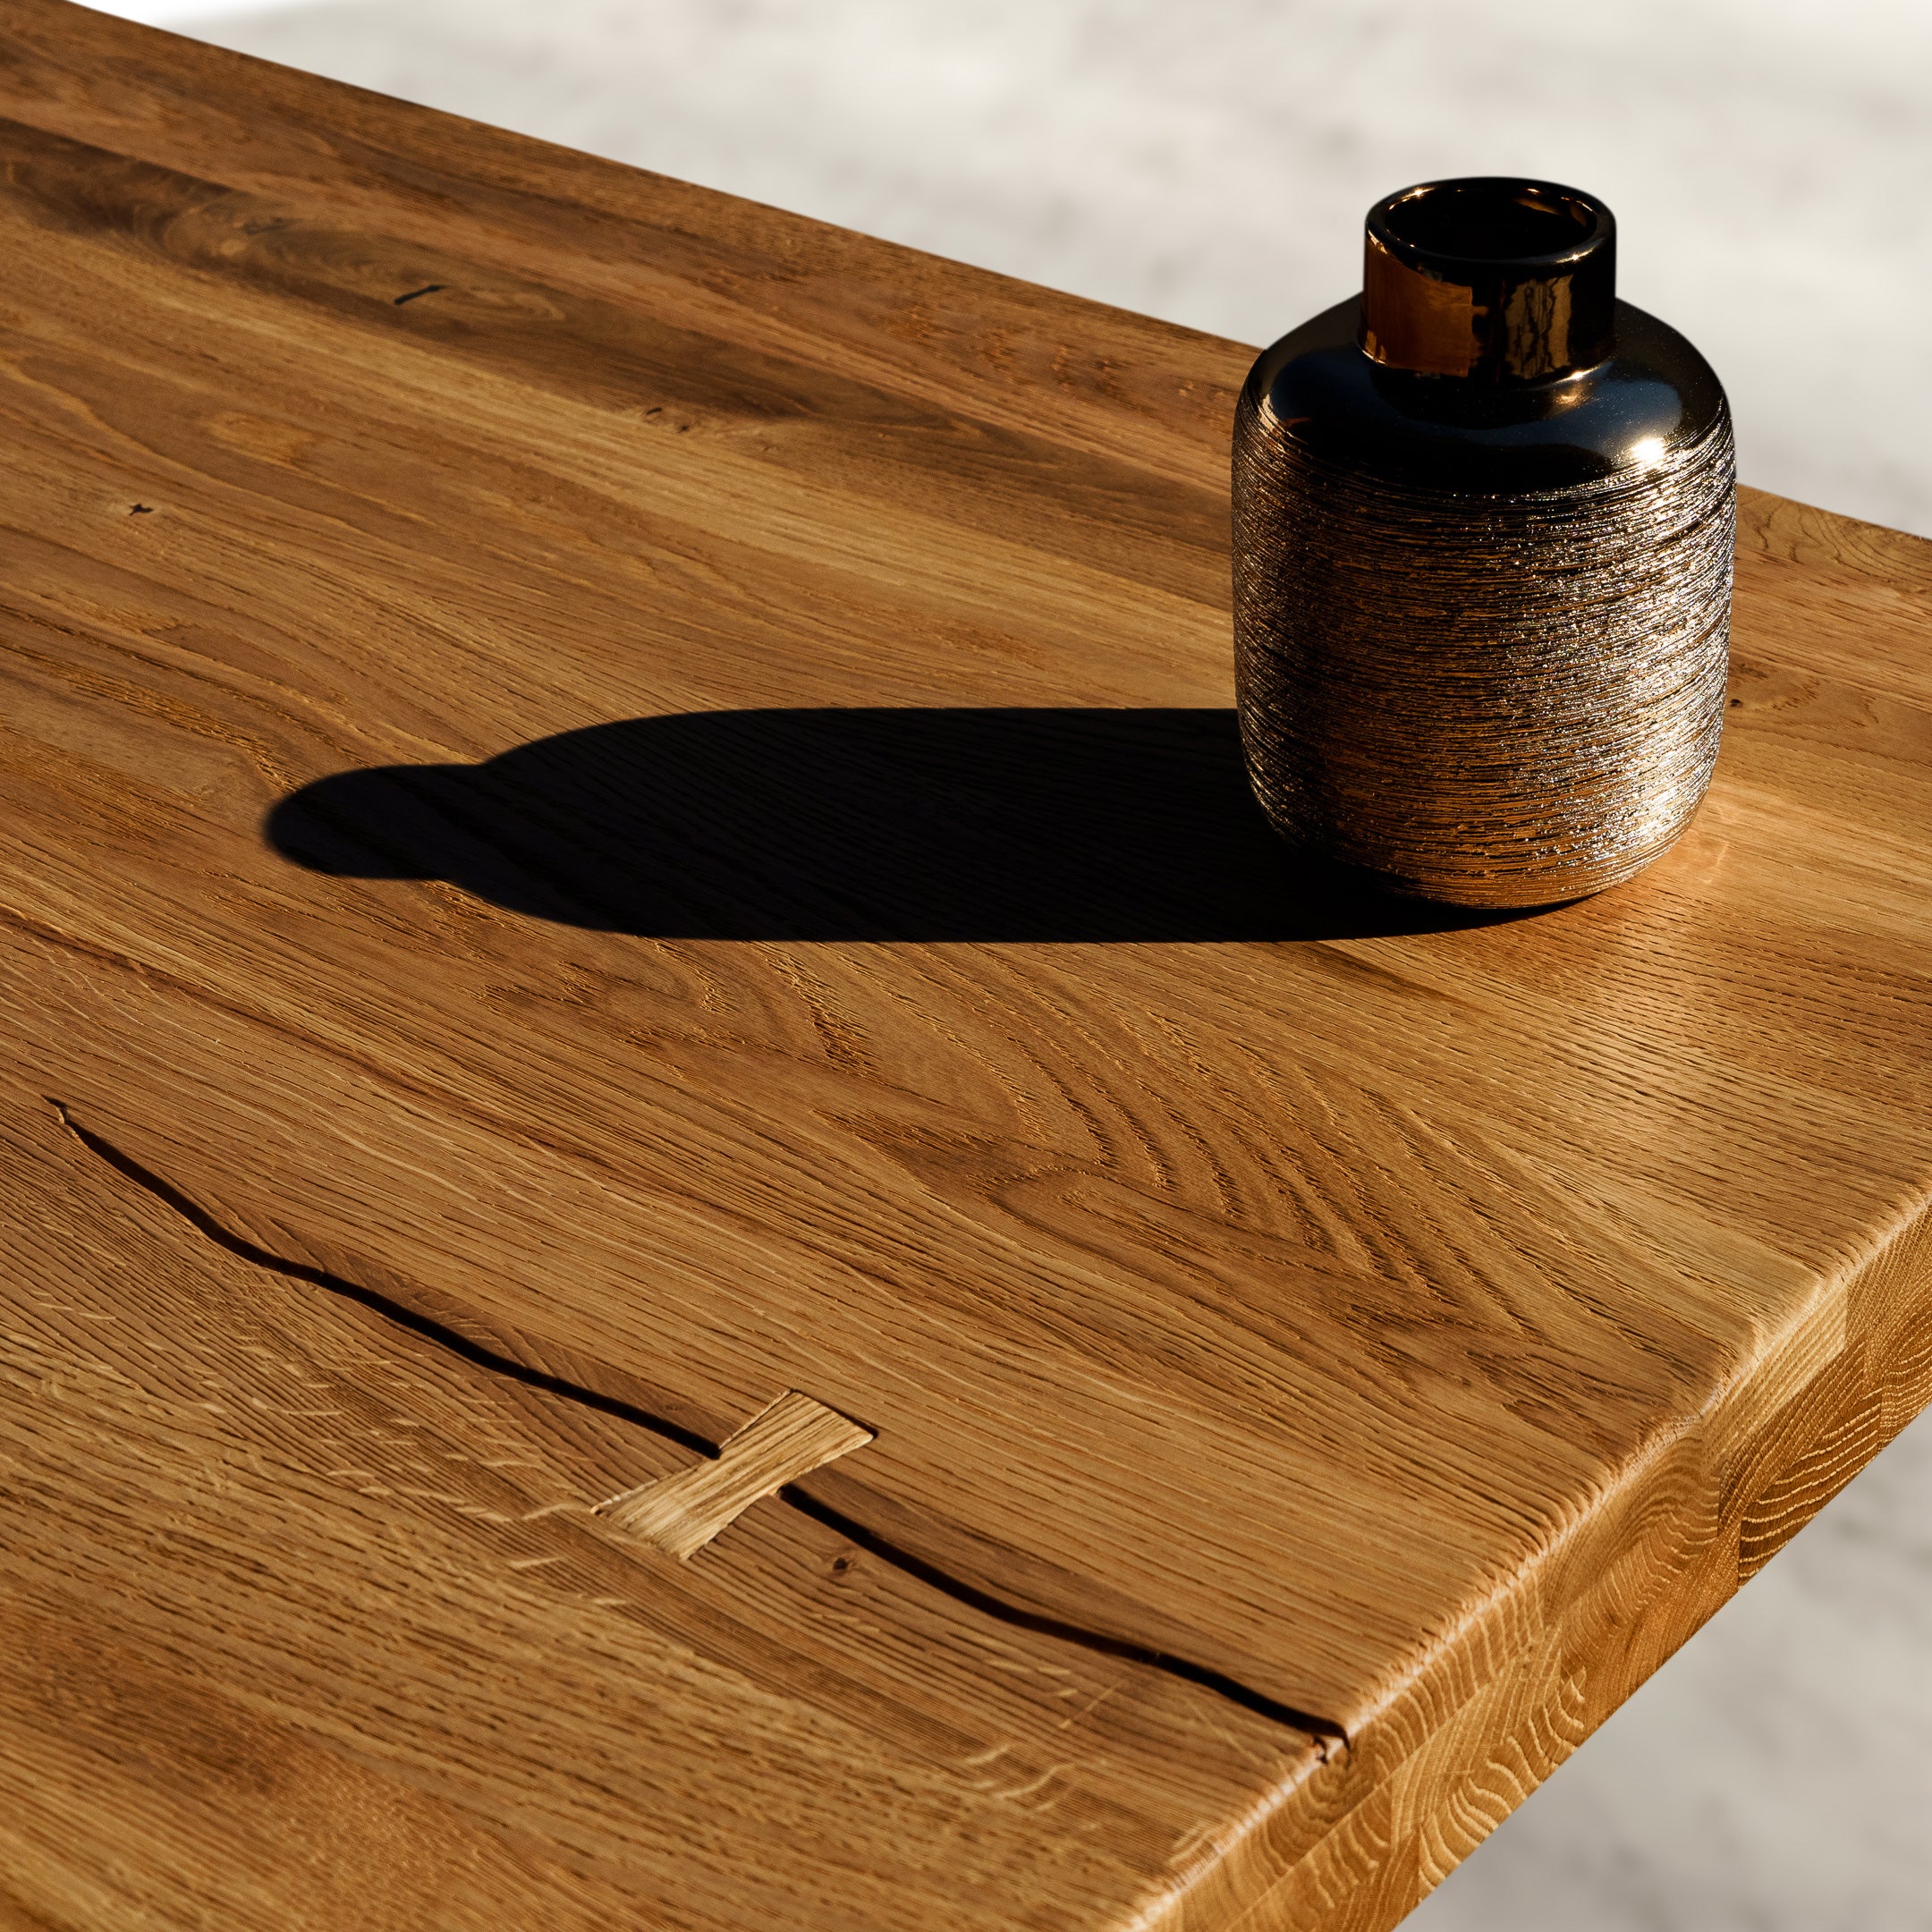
(614, 805)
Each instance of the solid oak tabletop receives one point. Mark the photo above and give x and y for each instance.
(623, 838)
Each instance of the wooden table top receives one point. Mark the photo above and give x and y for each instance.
(620, 809)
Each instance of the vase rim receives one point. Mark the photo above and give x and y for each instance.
(1484, 219)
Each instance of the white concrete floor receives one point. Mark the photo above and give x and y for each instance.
(1770, 162)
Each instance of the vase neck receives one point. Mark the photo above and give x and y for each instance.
(1489, 279)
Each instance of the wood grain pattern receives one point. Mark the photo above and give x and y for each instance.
(650, 786)
(309, 1622)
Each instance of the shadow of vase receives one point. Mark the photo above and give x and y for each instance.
(926, 824)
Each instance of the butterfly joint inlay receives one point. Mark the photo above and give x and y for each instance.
(681, 1513)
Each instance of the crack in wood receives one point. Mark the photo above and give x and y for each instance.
(701, 1493)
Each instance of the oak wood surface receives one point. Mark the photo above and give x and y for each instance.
(649, 786)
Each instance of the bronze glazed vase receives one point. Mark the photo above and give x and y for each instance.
(1483, 525)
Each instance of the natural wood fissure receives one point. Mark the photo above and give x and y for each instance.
(822, 1428)
(627, 804)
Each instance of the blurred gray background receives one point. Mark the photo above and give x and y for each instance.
(1770, 164)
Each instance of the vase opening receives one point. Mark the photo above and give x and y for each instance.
(1493, 221)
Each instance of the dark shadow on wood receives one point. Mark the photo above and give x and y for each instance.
(924, 824)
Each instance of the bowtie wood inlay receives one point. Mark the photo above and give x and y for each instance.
(681, 1513)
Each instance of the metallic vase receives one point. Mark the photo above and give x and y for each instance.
(1483, 526)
